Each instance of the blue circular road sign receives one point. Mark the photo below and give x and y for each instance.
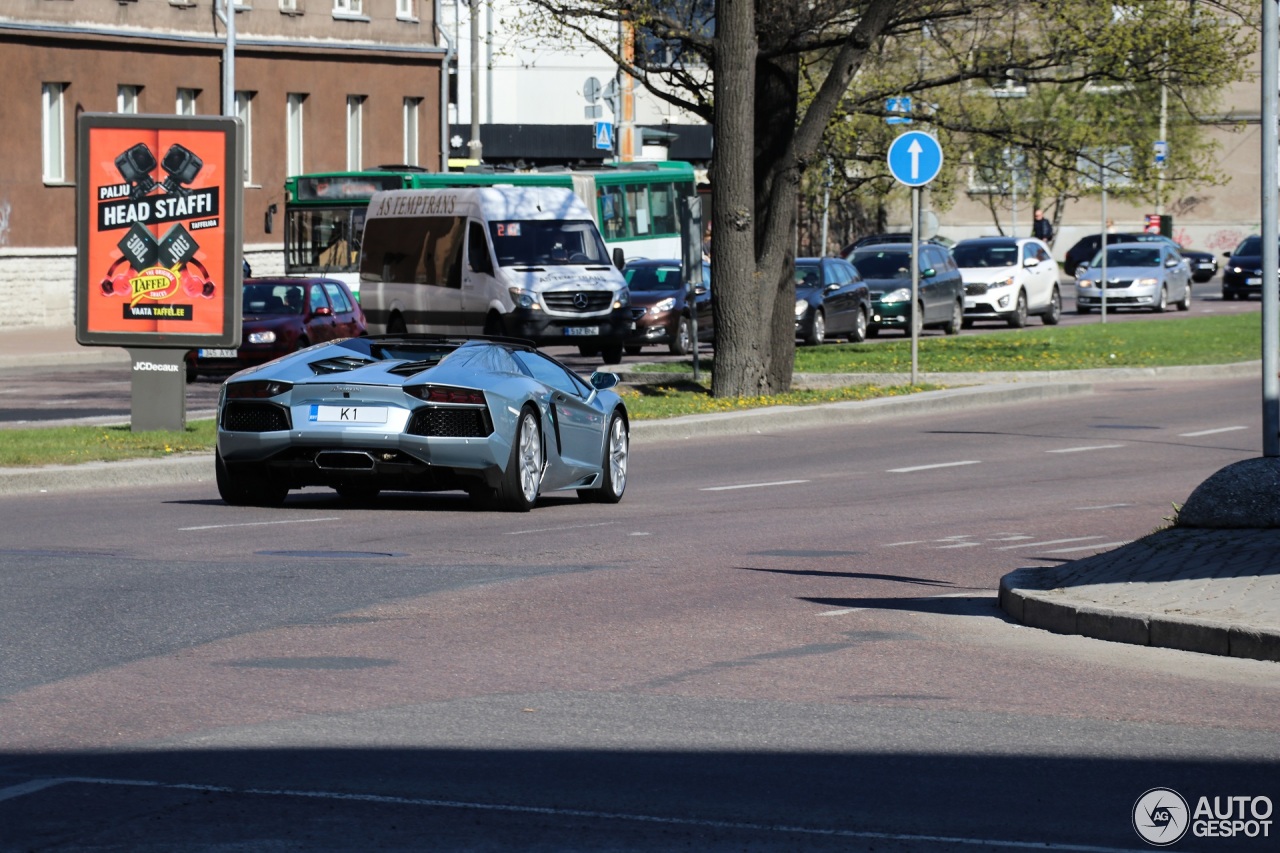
(915, 158)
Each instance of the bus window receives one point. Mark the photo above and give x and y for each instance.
(637, 209)
(666, 219)
(421, 250)
(612, 218)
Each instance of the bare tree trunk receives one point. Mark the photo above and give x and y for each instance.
(742, 313)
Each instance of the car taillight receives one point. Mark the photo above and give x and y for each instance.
(445, 394)
(257, 389)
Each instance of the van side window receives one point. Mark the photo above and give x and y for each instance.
(478, 258)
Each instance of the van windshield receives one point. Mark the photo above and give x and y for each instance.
(547, 242)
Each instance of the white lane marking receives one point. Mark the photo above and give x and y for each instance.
(639, 533)
(931, 467)
(1015, 538)
(28, 788)
(1047, 542)
(1209, 431)
(908, 542)
(751, 486)
(841, 612)
(1094, 546)
(260, 523)
(1100, 506)
(558, 529)
(740, 826)
(1083, 449)
(958, 545)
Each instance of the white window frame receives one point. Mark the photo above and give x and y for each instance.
(127, 99)
(53, 130)
(185, 102)
(412, 110)
(289, 6)
(244, 111)
(294, 134)
(348, 8)
(404, 10)
(355, 132)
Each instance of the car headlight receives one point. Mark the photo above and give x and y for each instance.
(262, 337)
(665, 305)
(902, 294)
(1004, 282)
(1085, 282)
(801, 307)
(523, 298)
(1146, 282)
(1237, 270)
(622, 299)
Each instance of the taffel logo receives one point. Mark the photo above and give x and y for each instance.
(1160, 817)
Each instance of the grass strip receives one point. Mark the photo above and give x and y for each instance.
(72, 445)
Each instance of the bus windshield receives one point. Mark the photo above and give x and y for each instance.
(550, 242)
(324, 240)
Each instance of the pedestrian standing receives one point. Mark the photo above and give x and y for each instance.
(1041, 228)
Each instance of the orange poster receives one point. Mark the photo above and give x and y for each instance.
(154, 221)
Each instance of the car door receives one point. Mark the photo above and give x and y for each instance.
(578, 437)
(319, 322)
(842, 302)
(346, 317)
(1177, 274)
(1037, 274)
(938, 289)
(477, 279)
(702, 300)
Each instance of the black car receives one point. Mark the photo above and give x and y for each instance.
(889, 237)
(1086, 247)
(660, 305)
(1243, 273)
(832, 300)
(886, 268)
(1204, 265)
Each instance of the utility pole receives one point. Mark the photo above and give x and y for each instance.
(477, 149)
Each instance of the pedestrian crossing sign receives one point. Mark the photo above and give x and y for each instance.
(604, 135)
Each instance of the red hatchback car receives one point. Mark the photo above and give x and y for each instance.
(281, 316)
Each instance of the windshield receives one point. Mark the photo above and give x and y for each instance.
(882, 264)
(650, 278)
(1130, 256)
(970, 255)
(323, 240)
(272, 299)
(547, 242)
(808, 275)
(1250, 246)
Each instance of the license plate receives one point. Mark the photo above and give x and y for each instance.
(1253, 281)
(216, 353)
(348, 414)
(574, 331)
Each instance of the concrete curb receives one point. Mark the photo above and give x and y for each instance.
(199, 467)
(1024, 595)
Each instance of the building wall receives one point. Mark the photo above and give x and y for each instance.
(94, 46)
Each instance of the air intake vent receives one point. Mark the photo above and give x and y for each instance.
(341, 364)
(249, 416)
(445, 422)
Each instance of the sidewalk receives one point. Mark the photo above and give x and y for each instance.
(1215, 591)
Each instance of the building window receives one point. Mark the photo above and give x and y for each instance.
(412, 106)
(127, 99)
(293, 134)
(244, 112)
(54, 132)
(186, 102)
(404, 10)
(355, 131)
(348, 7)
(290, 6)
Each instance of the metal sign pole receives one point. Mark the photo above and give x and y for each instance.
(1270, 234)
(915, 281)
(1102, 283)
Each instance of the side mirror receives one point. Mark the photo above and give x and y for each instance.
(1226, 254)
(326, 311)
(601, 381)
(619, 259)
(929, 273)
(1030, 262)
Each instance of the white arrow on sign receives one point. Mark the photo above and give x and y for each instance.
(914, 149)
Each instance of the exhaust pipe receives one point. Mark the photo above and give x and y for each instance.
(345, 460)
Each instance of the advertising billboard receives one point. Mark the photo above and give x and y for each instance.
(158, 231)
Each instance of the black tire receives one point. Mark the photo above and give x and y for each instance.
(1184, 304)
(682, 340)
(1162, 303)
(1053, 316)
(613, 478)
(966, 324)
(1018, 318)
(587, 351)
(192, 373)
(858, 333)
(396, 326)
(518, 488)
(873, 331)
(957, 320)
(493, 324)
(240, 490)
(631, 349)
(817, 330)
(1228, 295)
(1081, 309)
(612, 353)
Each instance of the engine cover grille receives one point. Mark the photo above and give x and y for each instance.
(450, 422)
(250, 416)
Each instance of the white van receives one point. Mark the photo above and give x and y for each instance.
(526, 262)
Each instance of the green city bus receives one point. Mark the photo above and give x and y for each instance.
(637, 207)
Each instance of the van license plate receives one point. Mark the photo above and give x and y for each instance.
(216, 353)
(575, 331)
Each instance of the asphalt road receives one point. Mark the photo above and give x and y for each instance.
(775, 642)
